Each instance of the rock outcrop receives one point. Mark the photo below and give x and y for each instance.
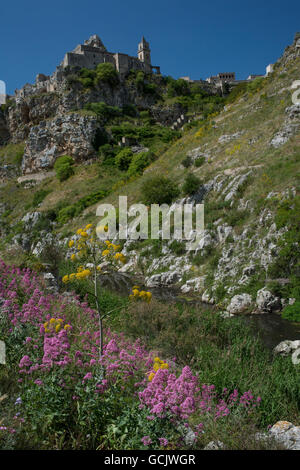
(70, 134)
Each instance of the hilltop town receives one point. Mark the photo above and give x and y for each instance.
(93, 52)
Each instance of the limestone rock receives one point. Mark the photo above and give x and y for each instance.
(51, 282)
(214, 445)
(287, 434)
(239, 303)
(286, 347)
(266, 301)
(70, 134)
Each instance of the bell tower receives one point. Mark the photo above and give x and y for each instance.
(144, 54)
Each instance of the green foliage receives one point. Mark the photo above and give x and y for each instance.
(187, 162)
(199, 162)
(103, 110)
(12, 154)
(292, 312)
(124, 158)
(63, 214)
(178, 247)
(107, 153)
(139, 162)
(191, 184)
(39, 196)
(64, 167)
(287, 262)
(159, 190)
(178, 87)
(107, 73)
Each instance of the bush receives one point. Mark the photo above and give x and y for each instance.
(107, 153)
(64, 167)
(103, 110)
(191, 184)
(66, 212)
(124, 158)
(159, 190)
(199, 162)
(186, 162)
(39, 196)
(107, 73)
(139, 162)
(292, 312)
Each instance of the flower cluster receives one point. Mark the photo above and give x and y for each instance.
(140, 294)
(158, 364)
(55, 325)
(63, 348)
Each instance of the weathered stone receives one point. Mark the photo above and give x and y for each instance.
(2, 353)
(70, 134)
(239, 303)
(267, 302)
(286, 347)
(215, 445)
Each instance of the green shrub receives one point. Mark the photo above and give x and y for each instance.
(39, 196)
(191, 184)
(67, 212)
(159, 190)
(292, 312)
(199, 162)
(107, 153)
(107, 73)
(64, 167)
(187, 162)
(139, 162)
(103, 110)
(178, 87)
(178, 247)
(124, 158)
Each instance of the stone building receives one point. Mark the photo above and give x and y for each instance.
(89, 54)
(93, 52)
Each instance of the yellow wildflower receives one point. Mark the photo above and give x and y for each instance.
(67, 327)
(57, 328)
(71, 243)
(105, 252)
(84, 234)
(79, 231)
(65, 279)
(151, 376)
(73, 257)
(52, 321)
(164, 366)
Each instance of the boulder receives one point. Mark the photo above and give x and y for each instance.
(286, 347)
(267, 302)
(239, 303)
(286, 434)
(214, 445)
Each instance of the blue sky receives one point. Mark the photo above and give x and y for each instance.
(195, 38)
